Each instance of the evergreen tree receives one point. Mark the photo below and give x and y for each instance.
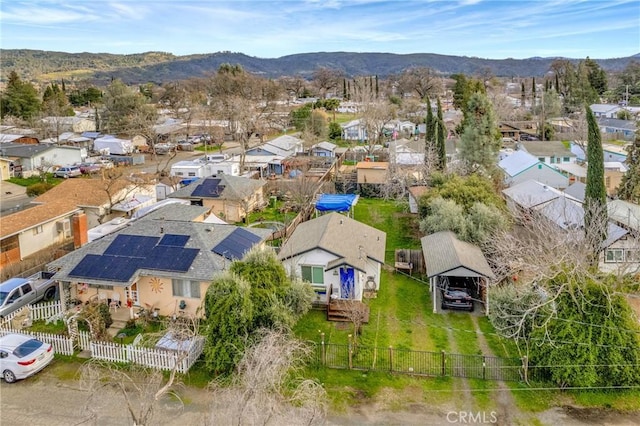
(441, 131)
(595, 196)
(429, 137)
(480, 139)
(533, 93)
(20, 99)
(629, 188)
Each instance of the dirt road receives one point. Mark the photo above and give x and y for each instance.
(54, 397)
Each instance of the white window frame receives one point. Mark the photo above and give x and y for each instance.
(185, 288)
(614, 255)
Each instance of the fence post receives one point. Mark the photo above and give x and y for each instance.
(323, 349)
(484, 368)
(443, 364)
(391, 358)
(525, 368)
(350, 353)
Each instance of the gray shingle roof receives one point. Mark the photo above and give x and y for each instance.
(445, 255)
(347, 238)
(203, 236)
(236, 188)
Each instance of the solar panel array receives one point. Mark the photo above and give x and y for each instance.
(209, 188)
(236, 244)
(128, 253)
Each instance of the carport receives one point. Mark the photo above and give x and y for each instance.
(446, 256)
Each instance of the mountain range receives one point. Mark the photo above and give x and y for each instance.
(162, 67)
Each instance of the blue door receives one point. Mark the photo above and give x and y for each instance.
(347, 283)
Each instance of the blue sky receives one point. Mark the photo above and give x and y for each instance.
(269, 29)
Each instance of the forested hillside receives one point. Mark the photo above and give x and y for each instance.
(159, 67)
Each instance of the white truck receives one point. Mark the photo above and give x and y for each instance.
(109, 145)
(18, 292)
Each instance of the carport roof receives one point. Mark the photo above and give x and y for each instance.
(445, 255)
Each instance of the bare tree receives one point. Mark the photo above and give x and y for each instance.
(326, 80)
(357, 313)
(141, 388)
(422, 80)
(261, 392)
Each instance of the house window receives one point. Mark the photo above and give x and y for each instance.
(607, 182)
(313, 274)
(633, 255)
(192, 174)
(186, 288)
(541, 159)
(614, 255)
(37, 230)
(565, 159)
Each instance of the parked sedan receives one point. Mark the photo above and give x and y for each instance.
(456, 298)
(22, 356)
(67, 172)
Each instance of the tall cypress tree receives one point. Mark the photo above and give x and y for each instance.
(595, 195)
(429, 137)
(441, 131)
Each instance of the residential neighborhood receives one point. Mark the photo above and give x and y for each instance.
(471, 245)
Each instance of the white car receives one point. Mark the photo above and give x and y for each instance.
(22, 355)
(68, 171)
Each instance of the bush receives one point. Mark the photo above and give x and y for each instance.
(38, 188)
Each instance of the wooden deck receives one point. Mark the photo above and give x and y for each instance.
(346, 310)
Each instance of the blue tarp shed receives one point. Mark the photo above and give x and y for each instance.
(336, 202)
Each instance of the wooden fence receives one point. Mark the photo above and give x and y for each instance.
(422, 363)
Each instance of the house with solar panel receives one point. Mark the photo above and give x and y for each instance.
(162, 262)
(341, 258)
(228, 197)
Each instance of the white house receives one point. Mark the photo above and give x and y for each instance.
(615, 153)
(339, 256)
(29, 158)
(549, 152)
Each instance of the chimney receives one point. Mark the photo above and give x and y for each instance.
(80, 230)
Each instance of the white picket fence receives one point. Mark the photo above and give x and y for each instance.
(115, 352)
(149, 357)
(39, 311)
(61, 344)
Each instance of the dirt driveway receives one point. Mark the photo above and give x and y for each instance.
(54, 397)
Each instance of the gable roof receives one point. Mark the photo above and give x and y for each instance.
(325, 145)
(17, 222)
(285, 142)
(152, 246)
(444, 254)
(531, 193)
(223, 187)
(576, 190)
(351, 241)
(518, 162)
(88, 192)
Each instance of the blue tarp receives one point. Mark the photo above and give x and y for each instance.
(336, 202)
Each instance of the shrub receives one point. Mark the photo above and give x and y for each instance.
(38, 188)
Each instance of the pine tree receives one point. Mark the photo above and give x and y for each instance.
(595, 196)
(480, 139)
(441, 131)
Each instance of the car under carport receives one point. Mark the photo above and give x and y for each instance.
(449, 259)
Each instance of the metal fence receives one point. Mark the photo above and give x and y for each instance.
(422, 363)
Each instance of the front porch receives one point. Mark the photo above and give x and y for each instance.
(347, 310)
